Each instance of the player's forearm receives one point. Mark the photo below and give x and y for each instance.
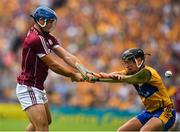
(72, 60)
(123, 72)
(75, 63)
(66, 56)
(59, 69)
(51, 62)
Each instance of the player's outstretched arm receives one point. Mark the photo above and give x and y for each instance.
(66, 56)
(109, 75)
(142, 76)
(50, 61)
(71, 60)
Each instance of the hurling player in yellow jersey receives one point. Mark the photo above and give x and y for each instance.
(159, 113)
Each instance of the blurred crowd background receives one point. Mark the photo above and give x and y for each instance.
(96, 31)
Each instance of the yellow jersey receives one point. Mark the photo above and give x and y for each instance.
(153, 93)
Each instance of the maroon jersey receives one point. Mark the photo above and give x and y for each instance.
(34, 70)
(177, 100)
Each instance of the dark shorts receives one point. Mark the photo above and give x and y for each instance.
(166, 115)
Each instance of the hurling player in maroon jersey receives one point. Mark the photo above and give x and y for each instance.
(36, 60)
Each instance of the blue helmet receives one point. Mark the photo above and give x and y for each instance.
(45, 13)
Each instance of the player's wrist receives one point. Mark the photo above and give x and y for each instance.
(84, 71)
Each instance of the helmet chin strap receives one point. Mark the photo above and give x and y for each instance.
(140, 65)
(42, 25)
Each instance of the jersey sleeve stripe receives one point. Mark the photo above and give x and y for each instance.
(55, 46)
(41, 55)
(44, 44)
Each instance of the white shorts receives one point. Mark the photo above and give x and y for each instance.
(178, 116)
(29, 96)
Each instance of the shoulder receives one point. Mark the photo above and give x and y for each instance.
(152, 70)
(52, 39)
(51, 36)
(32, 38)
(154, 73)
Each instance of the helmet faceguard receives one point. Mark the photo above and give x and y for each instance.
(133, 53)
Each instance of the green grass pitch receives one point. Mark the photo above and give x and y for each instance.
(13, 119)
(66, 123)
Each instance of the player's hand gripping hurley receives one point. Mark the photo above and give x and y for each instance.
(122, 78)
(84, 71)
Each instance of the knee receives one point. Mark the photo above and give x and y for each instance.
(43, 125)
